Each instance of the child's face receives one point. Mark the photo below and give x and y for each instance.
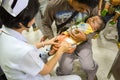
(95, 22)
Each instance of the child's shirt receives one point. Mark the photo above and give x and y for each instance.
(85, 27)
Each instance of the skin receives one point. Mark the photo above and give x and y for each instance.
(78, 6)
(94, 22)
(76, 34)
(48, 67)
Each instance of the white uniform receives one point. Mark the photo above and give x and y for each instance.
(20, 60)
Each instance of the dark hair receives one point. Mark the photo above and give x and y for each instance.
(102, 25)
(90, 3)
(0, 23)
(24, 17)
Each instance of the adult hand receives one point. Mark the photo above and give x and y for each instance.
(53, 49)
(65, 46)
(78, 35)
(52, 41)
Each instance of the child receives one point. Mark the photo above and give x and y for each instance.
(93, 24)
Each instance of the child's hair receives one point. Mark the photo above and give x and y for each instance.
(102, 25)
(24, 16)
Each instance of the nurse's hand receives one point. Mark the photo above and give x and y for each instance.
(65, 46)
(52, 41)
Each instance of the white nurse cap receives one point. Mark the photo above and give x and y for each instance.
(14, 7)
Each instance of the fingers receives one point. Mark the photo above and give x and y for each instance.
(55, 40)
(77, 35)
(71, 50)
(72, 35)
(55, 47)
(52, 41)
(65, 46)
(61, 37)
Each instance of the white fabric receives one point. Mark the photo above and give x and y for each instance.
(19, 6)
(19, 60)
(67, 77)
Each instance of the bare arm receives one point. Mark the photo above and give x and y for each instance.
(49, 42)
(100, 7)
(53, 61)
